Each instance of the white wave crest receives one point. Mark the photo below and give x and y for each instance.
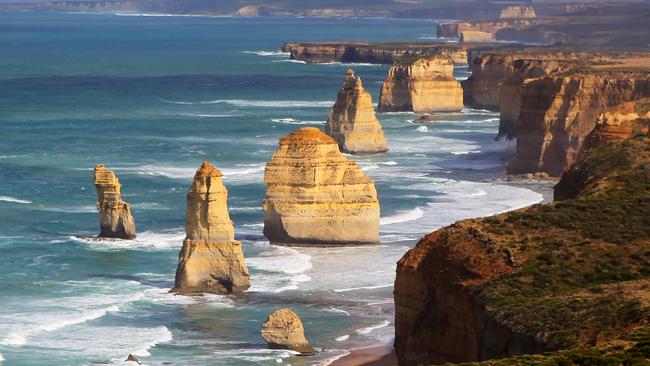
(261, 103)
(422, 129)
(268, 53)
(402, 216)
(146, 240)
(363, 288)
(342, 338)
(13, 199)
(292, 121)
(370, 329)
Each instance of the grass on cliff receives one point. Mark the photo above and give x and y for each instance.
(632, 349)
(582, 264)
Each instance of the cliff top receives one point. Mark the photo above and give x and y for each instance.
(571, 274)
(307, 136)
(443, 60)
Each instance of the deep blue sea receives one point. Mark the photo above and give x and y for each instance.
(151, 97)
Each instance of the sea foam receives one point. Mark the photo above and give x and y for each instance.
(13, 199)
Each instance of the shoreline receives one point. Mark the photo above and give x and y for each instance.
(377, 355)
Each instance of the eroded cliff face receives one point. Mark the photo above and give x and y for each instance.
(317, 196)
(518, 11)
(476, 36)
(422, 86)
(377, 53)
(115, 219)
(621, 122)
(211, 260)
(352, 121)
(558, 112)
(532, 280)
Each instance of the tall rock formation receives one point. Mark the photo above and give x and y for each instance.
(558, 112)
(317, 196)
(571, 275)
(283, 329)
(421, 85)
(352, 121)
(476, 36)
(211, 260)
(115, 218)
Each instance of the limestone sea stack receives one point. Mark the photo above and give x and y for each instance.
(115, 218)
(211, 260)
(422, 86)
(283, 329)
(352, 121)
(317, 196)
(517, 12)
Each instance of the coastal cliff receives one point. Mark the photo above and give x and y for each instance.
(352, 121)
(518, 11)
(421, 85)
(115, 219)
(570, 275)
(374, 53)
(211, 260)
(622, 122)
(558, 111)
(317, 196)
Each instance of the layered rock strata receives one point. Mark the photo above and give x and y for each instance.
(317, 196)
(546, 278)
(422, 86)
(476, 36)
(622, 122)
(375, 53)
(283, 329)
(115, 219)
(558, 111)
(352, 121)
(211, 260)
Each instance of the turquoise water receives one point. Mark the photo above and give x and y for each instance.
(152, 97)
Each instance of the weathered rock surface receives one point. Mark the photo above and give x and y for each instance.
(375, 53)
(476, 36)
(622, 122)
(558, 111)
(211, 260)
(352, 121)
(115, 218)
(518, 11)
(455, 29)
(421, 85)
(534, 280)
(283, 329)
(317, 196)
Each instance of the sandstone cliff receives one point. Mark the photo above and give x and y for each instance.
(558, 111)
(421, 85)
(352, 121)
(518, 11)
(622, 122)
(476, 36)
(566, 275)
(375, 53)
(283, 329)
(211, 260)
(317, 196)
(115, 218)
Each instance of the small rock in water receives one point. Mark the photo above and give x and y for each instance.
(422, 129)
(132, 358)
(283, 329)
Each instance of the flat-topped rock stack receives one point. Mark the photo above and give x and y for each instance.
(115, 219)
(422, 86)
(352, 121)
(315, 195)
(211, 260)
(517, 12)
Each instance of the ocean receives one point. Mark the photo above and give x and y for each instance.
(151, 97)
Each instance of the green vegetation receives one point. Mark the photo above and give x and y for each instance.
(582, 265)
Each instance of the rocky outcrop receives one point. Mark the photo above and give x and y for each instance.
(317, 196)
(557, 112)
(211, 260)
(283, 329)
(421, 85)
(476, 36)
(517, 11)
(622, 122)
(352, 121)
(534, 280)
(374, 53)
(455, 29)
(115, 220)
